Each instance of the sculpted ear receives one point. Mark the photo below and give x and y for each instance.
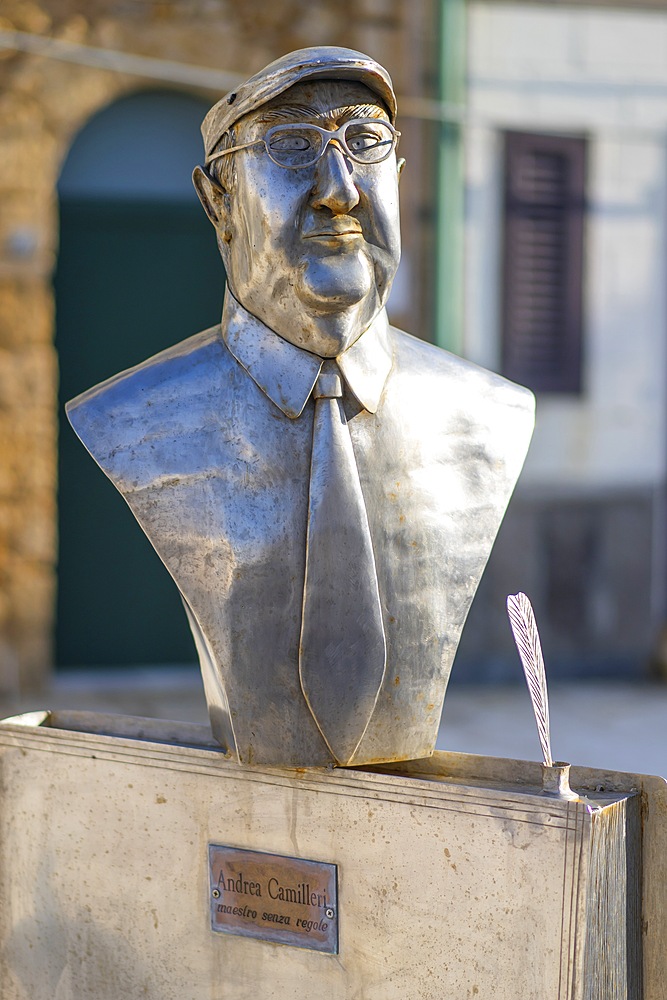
(210, 195)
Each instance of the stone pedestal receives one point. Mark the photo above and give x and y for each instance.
(448, 877)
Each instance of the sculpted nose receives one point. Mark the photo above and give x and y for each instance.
(334, 188)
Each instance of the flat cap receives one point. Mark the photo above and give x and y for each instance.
(319, 62)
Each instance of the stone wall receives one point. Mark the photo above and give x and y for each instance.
(43, 103)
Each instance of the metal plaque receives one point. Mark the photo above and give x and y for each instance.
(274, 898)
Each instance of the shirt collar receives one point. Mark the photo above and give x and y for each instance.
(287, 374)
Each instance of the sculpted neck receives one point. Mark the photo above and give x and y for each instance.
(326, 334)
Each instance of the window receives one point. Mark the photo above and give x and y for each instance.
(543, 260)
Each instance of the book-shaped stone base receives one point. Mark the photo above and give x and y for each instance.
(137, 862)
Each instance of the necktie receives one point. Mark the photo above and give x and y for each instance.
(342, 652)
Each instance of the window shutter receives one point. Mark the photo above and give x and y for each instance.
(543, 260)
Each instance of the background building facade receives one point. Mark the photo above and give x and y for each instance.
(566, 188)
(534, 211)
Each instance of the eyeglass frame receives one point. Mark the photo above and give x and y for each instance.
(329, 134)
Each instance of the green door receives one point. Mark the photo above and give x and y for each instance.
(134, 276)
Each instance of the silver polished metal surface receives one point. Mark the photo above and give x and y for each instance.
(210, 441)
(556, 780)
(313, 63)
(527, 639)
(364, 140)
(555, 774)
(342, 649)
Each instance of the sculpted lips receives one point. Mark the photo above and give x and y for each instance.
(333, 228)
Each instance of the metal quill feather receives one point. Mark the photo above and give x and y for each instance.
(527, 639)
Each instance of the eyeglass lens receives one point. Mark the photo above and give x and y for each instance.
(301, 145)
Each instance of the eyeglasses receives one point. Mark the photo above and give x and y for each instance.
(364, 140)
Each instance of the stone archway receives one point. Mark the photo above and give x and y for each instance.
(39, 111)
(138, 270)
(42, 108)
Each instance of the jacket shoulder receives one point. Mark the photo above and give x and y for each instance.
(463, 379)
(177, 361)
(149, 399)
(481, 421)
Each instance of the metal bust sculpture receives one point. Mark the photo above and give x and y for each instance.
(323, 488)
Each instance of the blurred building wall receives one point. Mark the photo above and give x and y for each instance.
(585, 533)
(44, 102)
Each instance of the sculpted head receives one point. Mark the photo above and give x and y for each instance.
(312, 249)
